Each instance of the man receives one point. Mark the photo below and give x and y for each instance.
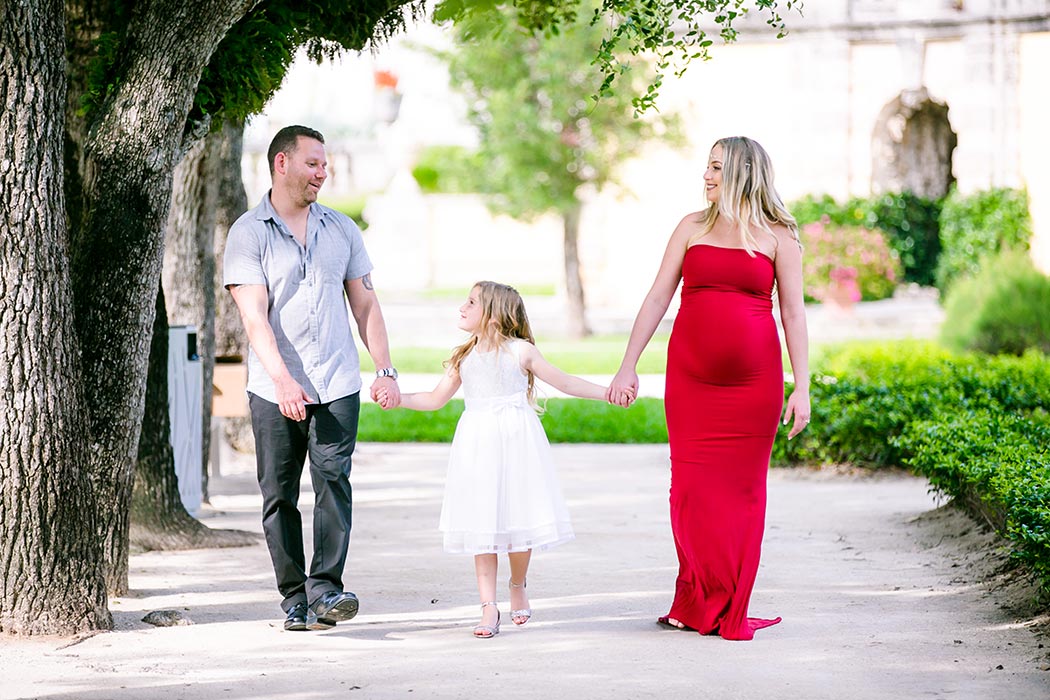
(291, 265)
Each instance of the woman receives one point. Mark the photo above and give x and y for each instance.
(725, 380)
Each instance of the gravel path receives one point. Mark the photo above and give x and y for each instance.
(879, 591)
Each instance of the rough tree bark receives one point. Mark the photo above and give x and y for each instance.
(230, 339)
(189, 268)
(231, 202)
(158, 518)
(134, 143)
(577, 321)
(47, 503)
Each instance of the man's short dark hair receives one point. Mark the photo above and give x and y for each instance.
(286, 140)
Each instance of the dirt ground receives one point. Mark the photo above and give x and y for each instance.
(883, 594)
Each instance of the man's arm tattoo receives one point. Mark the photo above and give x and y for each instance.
(367, 281)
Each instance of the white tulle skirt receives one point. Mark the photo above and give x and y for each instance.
(502, 492)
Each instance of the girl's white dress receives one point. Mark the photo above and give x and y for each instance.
(502, 493)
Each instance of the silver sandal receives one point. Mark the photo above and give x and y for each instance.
(486, 631)
(523, 613)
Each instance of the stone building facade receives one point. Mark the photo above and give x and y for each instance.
(861, 96)
(986, 60)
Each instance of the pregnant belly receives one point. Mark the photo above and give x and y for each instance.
(725, 348)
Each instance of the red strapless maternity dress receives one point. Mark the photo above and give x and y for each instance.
(723, 398)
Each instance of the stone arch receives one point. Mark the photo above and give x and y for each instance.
(912, 146)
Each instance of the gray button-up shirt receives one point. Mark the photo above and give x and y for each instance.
(306, 299)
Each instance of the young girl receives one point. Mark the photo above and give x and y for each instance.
(502, 493)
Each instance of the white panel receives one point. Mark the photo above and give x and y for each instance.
(184, 408)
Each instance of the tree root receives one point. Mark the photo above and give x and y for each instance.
(147, 539)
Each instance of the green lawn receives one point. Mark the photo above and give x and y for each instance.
(565, 420)
(595, 355)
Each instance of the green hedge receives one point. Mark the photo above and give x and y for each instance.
(866, 396)
(999, 465)
(936, 240)
(977, 225)
(910, 223)
(1004, 308)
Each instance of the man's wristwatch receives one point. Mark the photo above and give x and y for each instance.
(387, 372)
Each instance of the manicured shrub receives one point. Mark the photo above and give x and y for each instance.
(1004, 308)
(813, 208)
(999, 465)
(912, 224)
(863, 396)
(979, 225)
(835, 251)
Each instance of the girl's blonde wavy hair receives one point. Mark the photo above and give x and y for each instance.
(503, 318)
(749, 199)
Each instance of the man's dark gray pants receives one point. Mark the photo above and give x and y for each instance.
(327, 436)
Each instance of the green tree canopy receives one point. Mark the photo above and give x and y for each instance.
(541, 136)
(673, 32)
(543, 140)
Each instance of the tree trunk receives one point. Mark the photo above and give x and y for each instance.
(82, 33)
(230, 338)
(232, 201)
(132, 148)
(51, 565)
(577, 321)
(158, 518)
(189, 269)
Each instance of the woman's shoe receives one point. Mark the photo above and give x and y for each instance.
(668, 621)
(486, 631)
(520, 617)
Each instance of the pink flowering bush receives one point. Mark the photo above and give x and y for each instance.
(847, 259)
(844, 285)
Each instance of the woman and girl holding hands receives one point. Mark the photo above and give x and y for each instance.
(723, 398)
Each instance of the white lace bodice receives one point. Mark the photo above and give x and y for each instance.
(491, 374)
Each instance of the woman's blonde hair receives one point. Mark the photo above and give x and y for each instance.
(749, 199)
(503, 318)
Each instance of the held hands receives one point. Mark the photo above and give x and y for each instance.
(797, 411)
(386, 393)
(624, 388)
